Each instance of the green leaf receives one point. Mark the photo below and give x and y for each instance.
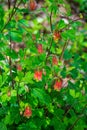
(74, 73)
(67, 55)
(69, 34)
(63, 72)
(12, 54)
(2, 57)
(61, 24)
(15, 36)
(41, 95)
(57, 123)
(2, 126)
(24, 22)
(1, 16)
(28, 77)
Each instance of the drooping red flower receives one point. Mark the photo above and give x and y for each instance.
(32, 5)
(27, 112)
(55, 60)
(56, 36)
(58, 85)
(19, 67)
(40, 48)
(38, 75)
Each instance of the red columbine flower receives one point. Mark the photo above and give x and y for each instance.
(56, 36)
(32, 5)
(27, 112)
(55, 60)
(40, 48)
(58, 85)
(38, 75)
(19, 67)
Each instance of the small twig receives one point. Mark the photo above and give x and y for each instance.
(18, 93)
(67, 25)
(10, 46)
(51, 21)
(8, 4)
(76, 122)
(65, 45)
(72, 107)
(14, 6)
(12, 14)
(65, 17)
(10, 61)
(81, 115)
(48, 51)
(63, 49)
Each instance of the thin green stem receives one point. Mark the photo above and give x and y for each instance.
(63, 49)
(48, 51)
(12, 14)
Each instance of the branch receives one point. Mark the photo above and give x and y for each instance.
(10, 61)
(52, 37)
(67, 25)
(12, 14)
(82, 101)
(76, 122)
(81, 115)
(51, 21)
(14, 6)
(9, 4)
(18, 99)
(10, 46)
(64, 47)
(49, 50)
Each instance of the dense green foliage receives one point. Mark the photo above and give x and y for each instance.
(21, 32)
